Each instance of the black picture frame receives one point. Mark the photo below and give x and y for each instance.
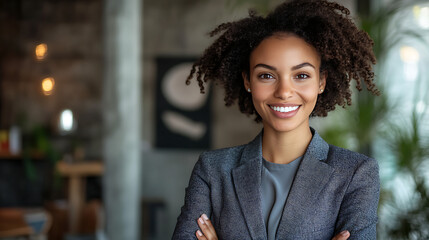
(165, 137)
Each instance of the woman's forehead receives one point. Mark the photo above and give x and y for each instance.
(284, 50)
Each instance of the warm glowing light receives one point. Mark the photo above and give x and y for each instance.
(416, 11)
(421, 14)
(409, 54)
(66, 121)
(48, 85)
(41, 51)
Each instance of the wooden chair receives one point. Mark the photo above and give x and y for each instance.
(13, 224)
(19, 223)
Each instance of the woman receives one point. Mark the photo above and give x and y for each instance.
(287, 183)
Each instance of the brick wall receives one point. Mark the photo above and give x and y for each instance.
(72, 31)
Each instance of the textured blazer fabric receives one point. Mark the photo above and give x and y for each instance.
(334, 190)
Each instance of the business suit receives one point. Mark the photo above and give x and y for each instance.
(334, 190)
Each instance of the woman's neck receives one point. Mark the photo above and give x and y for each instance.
(284, 147)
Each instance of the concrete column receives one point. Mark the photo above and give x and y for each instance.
(122, 117)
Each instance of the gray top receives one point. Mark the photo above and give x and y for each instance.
(275, 185)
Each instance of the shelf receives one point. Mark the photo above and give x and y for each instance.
(8, 156)
(93, 168)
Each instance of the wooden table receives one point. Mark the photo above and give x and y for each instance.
(76, 172)
(13, 224)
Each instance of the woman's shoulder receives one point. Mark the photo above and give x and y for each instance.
(222, 156)
(344, 158)
(343, 152)
(224, 160)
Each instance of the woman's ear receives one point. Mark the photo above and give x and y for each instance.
(245, 80)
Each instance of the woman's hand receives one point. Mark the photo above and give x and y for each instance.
(342, 235)
(208, 231)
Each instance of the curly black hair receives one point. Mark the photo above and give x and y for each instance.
(346, 51)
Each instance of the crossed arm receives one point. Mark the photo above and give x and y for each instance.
(208, 232)
(357, 213)
(364, 191)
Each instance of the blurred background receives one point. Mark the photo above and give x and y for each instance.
(99, 133)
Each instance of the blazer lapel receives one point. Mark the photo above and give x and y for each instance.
(312, 175)
(247, 183)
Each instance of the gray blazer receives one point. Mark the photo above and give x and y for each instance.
(334, 189)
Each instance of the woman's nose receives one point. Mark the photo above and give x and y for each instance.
(284, 89)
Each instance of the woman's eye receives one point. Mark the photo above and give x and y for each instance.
(265, 76)
(302, 76)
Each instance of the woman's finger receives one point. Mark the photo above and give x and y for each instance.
(207, 228)
(342, 235)
(200, 235)
(209, 225)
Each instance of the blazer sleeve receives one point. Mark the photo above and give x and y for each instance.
(358, 211)
(197, 202)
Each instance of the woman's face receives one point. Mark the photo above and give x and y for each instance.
(284, 82)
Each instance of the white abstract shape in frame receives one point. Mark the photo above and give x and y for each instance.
(182, 125)
(180, 95)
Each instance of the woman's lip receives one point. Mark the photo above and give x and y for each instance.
(283, 105)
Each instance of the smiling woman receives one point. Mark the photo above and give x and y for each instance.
(287, 183)
(284, 82)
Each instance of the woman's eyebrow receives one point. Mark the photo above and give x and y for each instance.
(265, 66)
(303, 65)
(293, 68)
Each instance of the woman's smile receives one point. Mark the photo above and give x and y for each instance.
(284, 111)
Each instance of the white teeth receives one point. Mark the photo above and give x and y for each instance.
(284, 109)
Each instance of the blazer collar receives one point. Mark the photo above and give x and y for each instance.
(311, 177)
(312, 174)
(247, 182)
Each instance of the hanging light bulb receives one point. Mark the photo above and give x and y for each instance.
(41, 51)
(48, 86)
(66, 120)
(67, 123)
